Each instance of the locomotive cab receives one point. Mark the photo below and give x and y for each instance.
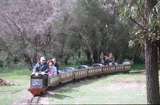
(38, 84)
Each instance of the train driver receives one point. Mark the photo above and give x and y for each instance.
(41, 66)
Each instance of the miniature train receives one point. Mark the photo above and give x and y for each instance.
(41, 82)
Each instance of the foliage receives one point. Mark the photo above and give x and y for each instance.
(100, 33)
(73, 31)
(135, 11)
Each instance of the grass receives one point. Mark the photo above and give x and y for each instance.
(8, 94)
(138, 67)
(115, 89)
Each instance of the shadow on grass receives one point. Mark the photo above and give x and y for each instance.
(58, 92)
(136, 72)
(58, 95)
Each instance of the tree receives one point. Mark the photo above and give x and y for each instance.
(28, 29)
(145, 14)
(151, 61)
(102, 32)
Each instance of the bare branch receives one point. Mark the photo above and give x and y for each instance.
(140, 25)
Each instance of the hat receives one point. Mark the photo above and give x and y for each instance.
(42, 59)
(53, 59)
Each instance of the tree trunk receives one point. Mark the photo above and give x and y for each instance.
(152, 78)
(28, 60)
(66, 59)
(158, 44)
(96, 56)
(89, 57)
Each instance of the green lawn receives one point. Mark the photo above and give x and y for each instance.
(137, 67)
(8, 94)
(115, 89)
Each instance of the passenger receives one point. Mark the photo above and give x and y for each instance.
(41, 66)
(111, 59)
(52, 70)
(106, 59)
(56, 65)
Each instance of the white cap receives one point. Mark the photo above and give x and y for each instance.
(42, 59)
(54, 59)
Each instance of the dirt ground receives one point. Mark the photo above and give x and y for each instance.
(5, 83)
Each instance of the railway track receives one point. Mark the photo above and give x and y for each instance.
(30, 100)
(39, 100)
(34, 101)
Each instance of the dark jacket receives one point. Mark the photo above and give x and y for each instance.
(57, 66)
(40, 67)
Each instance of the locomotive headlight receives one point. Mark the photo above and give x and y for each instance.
(36, 74)
(42, 73)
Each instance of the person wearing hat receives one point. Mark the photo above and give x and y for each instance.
(41, 66)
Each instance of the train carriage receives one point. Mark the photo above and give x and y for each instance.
(53, 81)
(105, 69)
(121, 68)
(109, 70)
(66, 77)
(90, 72)
(80, 74)
(127, 68)
(97, 71)
(113, 69)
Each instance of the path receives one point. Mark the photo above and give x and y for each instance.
(28, 99)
